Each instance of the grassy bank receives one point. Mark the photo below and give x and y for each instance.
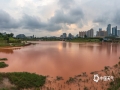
(3, 65)
(23, 80)
(3, 59)
(20, 80)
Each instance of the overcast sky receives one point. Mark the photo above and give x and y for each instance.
(53, 17)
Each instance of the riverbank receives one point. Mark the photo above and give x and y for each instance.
(82, 81)
(21, 81)
(109, 79)
(16, 45)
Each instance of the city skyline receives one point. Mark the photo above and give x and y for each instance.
(110, 31)
(49, 18)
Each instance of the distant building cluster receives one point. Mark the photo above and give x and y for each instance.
(101, 33)
(111, 31)
(64, 35)
(89, 33)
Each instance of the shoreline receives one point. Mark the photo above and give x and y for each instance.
(16, 47)
(80, 81)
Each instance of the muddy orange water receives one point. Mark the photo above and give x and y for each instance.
(61, 58)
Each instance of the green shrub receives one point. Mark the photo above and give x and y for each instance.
(4, 59)
(24, 79)
(2, 65)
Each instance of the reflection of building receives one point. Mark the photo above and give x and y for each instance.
(64, 44)
(108, 47)
(69, 44)
(114, 48)
(109, 30)
(114, 31)
(101, 33)
(89, 33)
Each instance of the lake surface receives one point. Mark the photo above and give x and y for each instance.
(61, 58)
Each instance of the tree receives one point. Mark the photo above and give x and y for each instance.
(11, 34)
(85, 36)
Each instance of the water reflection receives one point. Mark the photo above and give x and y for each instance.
(8, 50)
(69, 44)
(62, 58)
(64, 44)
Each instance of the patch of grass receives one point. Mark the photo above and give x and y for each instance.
(59, 78)
(4, 44)
(3, 64)
(24, 80)
(18, 44)
(13, 40)
(4, 89)
(12, 88)
(105, 68)
(71, 80)
(115, 85)
(3, 59)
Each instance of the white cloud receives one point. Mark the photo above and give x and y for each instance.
(52, 15)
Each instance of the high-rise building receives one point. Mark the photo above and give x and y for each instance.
(118, 33)
(77, 36)
(101, 33)
(100, 29)
(114, 31)
(82, 33)
(90, 33)
(109, 30)
(64, 35)
(70, 35)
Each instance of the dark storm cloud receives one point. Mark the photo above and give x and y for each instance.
(103, 12)
(53, 27)
(26, 22)
(72, 17)
(101, 20)
(108, 18)
(31, 22)
(116, 18)
(70, 13)
(62, 17)
(6, 21)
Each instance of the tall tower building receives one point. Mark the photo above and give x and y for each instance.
(118, 33)
(114, 31)
(64, 35)
(90, 33)
(109, 30)
(100, 29)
